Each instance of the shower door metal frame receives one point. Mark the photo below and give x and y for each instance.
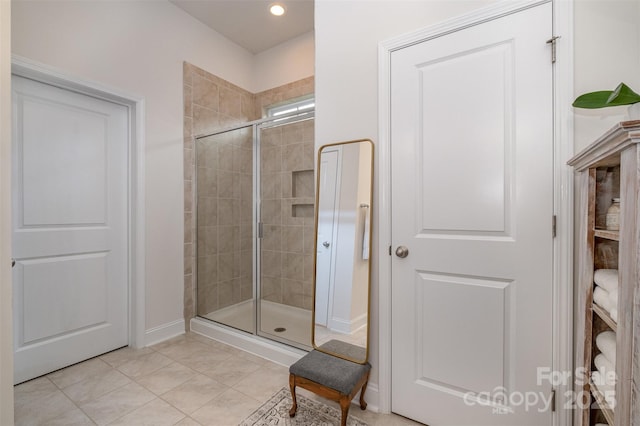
(195, 215)
(256, 126)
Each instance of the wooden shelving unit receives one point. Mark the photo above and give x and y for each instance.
(607, 235)
(609, 168)
(607, 411)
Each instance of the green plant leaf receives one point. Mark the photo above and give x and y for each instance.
(593, 100)
(623, 95)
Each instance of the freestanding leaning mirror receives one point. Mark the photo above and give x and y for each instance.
(343, 246)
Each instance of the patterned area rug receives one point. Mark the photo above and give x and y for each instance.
(310, 413)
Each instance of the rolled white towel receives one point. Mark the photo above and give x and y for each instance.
(601, 297)
(606, 342)
(606, 278)
(613, 298)
(605, 367)
(614, 315)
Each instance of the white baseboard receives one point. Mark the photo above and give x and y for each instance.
(358, 323)
(343, 326)
(372, 396)
(164, 332)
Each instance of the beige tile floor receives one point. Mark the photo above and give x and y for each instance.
(185, 381)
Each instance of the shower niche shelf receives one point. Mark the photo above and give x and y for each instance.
(302, 207)
(302, 210)
(302, 184)
(302, 194)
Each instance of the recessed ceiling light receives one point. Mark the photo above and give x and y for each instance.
(277, 9)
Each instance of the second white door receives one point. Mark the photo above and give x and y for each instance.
(328, 206)
(70, 227)
(472, 194)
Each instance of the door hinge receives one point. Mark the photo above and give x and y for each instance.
(259, 229)
(553, 226)
(552, 41)
(553, 400)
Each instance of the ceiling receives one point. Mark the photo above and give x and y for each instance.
(248, 23)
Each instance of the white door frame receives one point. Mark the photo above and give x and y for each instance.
(6, 287)
(136, 172)
(563, 188)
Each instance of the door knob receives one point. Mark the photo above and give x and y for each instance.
(326, 244)
(402, 252)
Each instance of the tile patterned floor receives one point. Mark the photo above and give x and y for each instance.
(187, 381)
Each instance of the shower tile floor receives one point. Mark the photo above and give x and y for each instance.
(189, 380)
(295, 321)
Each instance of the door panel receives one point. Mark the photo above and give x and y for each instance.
(43, 280)
(475, 164)
(445, 360)
(63, 180)
(70, 168)
(471, 137)
(325, 254)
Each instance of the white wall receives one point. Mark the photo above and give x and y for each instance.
(6, 334)
(347, 35)
(607, 52)
(290, 61)
(361, 266)
(138, 47)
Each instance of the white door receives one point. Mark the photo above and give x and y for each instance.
(70, 280)
(327, 217)
(471, 141)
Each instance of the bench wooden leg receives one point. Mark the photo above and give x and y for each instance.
(292, 386)
(363, 403)
(345, 402)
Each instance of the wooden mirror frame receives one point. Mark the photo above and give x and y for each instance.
(328, 348)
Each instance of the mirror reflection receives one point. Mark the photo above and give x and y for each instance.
(343, 245)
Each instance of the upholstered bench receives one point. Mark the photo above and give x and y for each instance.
(330, 377)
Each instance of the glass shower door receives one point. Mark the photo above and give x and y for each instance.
(225, 228)
(287, 218)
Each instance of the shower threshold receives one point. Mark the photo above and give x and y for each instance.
(268, 349)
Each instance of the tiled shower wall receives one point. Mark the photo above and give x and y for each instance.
(288, 197)
(211, 103)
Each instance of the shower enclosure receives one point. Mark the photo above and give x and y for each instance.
(255, 227)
